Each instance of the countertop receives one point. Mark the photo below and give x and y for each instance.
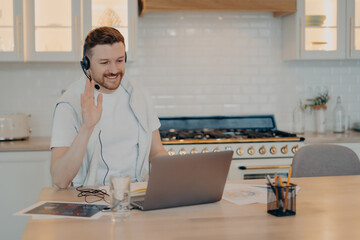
(30, 144)
(350, 136)
(43, 143)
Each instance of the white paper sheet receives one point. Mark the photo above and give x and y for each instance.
(242, 194)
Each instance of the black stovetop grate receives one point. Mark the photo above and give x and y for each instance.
(220, 127)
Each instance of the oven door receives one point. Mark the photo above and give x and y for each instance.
(237, 172)
(261, 173)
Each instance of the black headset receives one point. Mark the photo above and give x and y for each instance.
(85, 64)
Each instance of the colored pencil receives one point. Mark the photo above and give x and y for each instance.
(287, 189)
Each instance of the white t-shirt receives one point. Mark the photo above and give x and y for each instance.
(119, 134)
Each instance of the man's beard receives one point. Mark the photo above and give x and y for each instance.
(108, 83)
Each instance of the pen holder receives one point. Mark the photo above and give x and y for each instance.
(281, 200)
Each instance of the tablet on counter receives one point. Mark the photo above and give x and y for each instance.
(64, 209)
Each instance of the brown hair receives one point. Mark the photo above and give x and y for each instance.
(102, 35)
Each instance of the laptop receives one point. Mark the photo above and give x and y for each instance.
(184, 180)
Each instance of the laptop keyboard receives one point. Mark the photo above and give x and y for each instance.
(138, 204)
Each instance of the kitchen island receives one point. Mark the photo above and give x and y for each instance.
(326, 208)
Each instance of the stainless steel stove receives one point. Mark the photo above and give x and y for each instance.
(255, 140)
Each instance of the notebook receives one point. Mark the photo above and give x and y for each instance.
(184, 180)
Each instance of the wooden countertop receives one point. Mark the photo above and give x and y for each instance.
(43, 143)
(326, 208)
(30, 144)
(350, 136)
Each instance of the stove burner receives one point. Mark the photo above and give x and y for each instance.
(206, 134)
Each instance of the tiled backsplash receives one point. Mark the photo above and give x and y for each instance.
(199, 63)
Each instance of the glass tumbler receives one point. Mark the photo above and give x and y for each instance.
(120, 197)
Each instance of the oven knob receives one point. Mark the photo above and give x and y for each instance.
(193, 151)
(182, 151)
(240, 151)
(273, 150)
(217, 150)
(251, 150)
(284, 149)
(171, 152)
(262, 150)
(295, 149)
(205, 150)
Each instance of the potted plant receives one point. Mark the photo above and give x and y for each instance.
(318, 104)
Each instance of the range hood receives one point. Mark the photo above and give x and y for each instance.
(278, 7)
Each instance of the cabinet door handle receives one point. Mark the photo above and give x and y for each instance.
(76, 26)
(300, 36)
(18, 35)
(351, 37)
(132, 35)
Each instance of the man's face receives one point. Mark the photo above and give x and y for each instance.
(107, 64)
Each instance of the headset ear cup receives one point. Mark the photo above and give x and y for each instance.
(86, 62)
(125, 57)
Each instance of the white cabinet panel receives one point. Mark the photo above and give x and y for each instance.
(22, 176)
(353, 29)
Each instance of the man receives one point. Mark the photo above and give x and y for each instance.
(113, 128)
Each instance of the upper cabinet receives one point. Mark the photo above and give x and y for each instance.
(54, 31)
(322, 29)
(11, 30)
(120, 14)
(353, 18)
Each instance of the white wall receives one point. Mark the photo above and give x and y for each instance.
(198, 63)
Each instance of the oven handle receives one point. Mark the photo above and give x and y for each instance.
(263, 167)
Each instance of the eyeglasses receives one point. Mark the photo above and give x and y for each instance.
(92, 195)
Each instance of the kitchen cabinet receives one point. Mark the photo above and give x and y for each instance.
(353, 18)
(322, 29)
(11, 30)
(120, 14)
(50, 30)
(22, 176)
